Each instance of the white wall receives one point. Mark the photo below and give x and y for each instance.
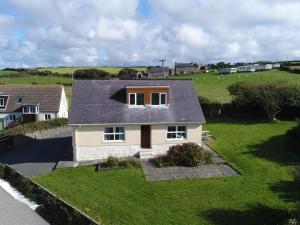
(63, 106)
(5, 117)
(89, 144)
(41, 116)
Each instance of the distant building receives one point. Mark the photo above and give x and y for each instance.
(157, 72)
(186, 68)
(227, 70)
(276, 65)
(246, 68)
(262, 67)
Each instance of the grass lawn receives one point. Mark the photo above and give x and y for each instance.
(257, 150)
(214, 86)
(112, 70)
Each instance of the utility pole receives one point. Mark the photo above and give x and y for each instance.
(163, 65)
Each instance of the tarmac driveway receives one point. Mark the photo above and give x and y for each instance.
(33, 157)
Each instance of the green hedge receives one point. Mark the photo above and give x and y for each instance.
(36, 126)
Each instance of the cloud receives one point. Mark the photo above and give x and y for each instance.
(115, 32)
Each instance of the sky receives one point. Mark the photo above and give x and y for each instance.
(41, 33)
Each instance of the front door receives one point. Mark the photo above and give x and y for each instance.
(146, 136)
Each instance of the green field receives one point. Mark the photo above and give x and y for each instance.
(214, 86)
(258, 196)
(112, 70)
(7, 72)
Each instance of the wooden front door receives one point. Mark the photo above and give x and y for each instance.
(146, 136)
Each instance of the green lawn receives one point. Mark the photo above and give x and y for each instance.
(214, 86)
(112, 70)
(256, 149)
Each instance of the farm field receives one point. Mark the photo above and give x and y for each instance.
(112, 70)
(5, 72)
(258, 196)
(214, 86)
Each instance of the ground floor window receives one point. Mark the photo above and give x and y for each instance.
(114, 134)
(47, 117)
(12, 117)
(176, 132)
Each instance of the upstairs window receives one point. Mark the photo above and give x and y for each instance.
(158, 98)
(176, 132)
(114, 134)
(136, 99)
(30, 109)
(1, 102)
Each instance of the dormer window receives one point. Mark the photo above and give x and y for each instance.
(158, 98)
(31, 109)
(1, 102)
(136, 99)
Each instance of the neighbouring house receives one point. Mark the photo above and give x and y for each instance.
(263, 66)
(227, 70)
(157, 72)
(124, 118)
(21, 104)
(186, 68)
(134, 75)
(246, 68)
(276, 65)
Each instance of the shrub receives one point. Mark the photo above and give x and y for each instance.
(112, 162)
(91, 74)
(130, 164)
(186, 154)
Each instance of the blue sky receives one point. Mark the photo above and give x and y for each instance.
(140, 32)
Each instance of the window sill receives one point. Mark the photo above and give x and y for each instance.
(107, 142)
(176, 139)
(137, 106)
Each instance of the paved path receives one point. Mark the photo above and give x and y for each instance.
(13, 212)
(33, 157)
(218, 169)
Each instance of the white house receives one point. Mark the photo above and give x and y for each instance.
(262, 67)
(227, 70)
(28, 103)
(246, 68)
(124, 118)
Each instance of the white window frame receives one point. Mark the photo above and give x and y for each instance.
(114, 133)
(160, 94)
(29, 109)
(46, 116)
(177, 132)
(135, 99)
(12, 117)
(2, 102)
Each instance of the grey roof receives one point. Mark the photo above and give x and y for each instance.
(185, 64)
(103, 102)
(48, 96)
(158, 69)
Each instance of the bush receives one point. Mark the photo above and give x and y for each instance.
(91, 74)
(186, 154)
(113, 162)
(130, 164)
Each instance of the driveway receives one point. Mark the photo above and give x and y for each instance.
(33, 157)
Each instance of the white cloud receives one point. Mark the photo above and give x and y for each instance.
(114, 32)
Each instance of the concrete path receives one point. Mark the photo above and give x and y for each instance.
(13, 212)
(33, 157)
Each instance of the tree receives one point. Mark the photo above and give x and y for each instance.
(126, 71)
(272, 96)
(91, 74)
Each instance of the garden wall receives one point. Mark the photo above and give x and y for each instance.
(53, 209)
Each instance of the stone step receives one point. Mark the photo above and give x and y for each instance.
(146, 154)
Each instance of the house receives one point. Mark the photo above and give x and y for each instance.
(133, 75)
(276, 65)
(186, 68)
(124, 118)
(263, 66)
(246, 68)
(157, 72)
(227, 70)
(28, 103)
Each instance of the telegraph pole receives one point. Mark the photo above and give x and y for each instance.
(163, 65)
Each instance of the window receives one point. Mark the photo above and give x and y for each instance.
(114, 134)
(30, 109)
(1, 102)
(12, 117)
(136, 99)
(176, 132)
(47, 117)
(158, 98)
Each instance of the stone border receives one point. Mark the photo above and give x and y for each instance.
(52, 208)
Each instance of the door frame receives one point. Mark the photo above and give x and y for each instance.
(149, 136)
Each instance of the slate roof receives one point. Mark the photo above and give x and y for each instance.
(103, 102)
(48, 96)
(185, 64)
(158, 69)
